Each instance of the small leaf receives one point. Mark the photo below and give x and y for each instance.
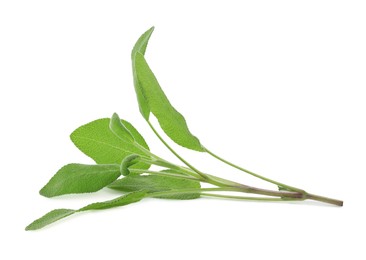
(170, 120)
(140, 46)
(154, 183)
(120, 201)
(96, 140)
(80, 178)
(57, 214)
(127, 162)
(119, 129)
(280, 188)
(49, 218)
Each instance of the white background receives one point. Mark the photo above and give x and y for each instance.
(276, 86)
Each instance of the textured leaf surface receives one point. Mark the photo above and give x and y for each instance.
(117, 127)
(170, 120)
(96, 140)
(120, 201)
(140, 46)
(154, 183)
(80, 178)
(58, 214)
(49, 218)
(127, 163)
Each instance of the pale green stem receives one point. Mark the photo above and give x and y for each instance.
(175, 153)
(139, 171)
(187, 191)
(245, 198)
(167, 164)
(254, 174)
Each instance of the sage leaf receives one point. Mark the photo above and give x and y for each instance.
(157, 183)
(49, 218)
(58, 214)
(118, 202)
(80, 178)
(127, 162)
(140, 46)
(118, 128)
(170, 120)
(96, 140)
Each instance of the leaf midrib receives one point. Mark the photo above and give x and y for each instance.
(107, 144)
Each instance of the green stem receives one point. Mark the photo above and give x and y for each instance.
(203, 192)
(223, 183)
(163, 163)
(175, 153)
(244, 198)
(287, 187)
(139, 171)
(187, 191)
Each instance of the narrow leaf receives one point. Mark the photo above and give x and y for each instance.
(80, 178)
(96, 140)
(57, 214)
(154, 183)
(120, 201)
(117, 127)
(128, 162)
(140, 46)
(49, 218)
(170, 120)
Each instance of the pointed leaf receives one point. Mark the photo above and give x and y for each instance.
(155, 183)
(140, 46)
(80, 178)
(120, 201)
(57, 214)
(127, 162)
(49, 218)
(170, 120)
(96, 140)
(117, 127)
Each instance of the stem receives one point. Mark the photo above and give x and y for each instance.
(204, 191)
(175, 153)
(139, 171)
(244, 198)
(185, 191)
(227, 185)
(161, 162)
(325, 199)
(254, 174)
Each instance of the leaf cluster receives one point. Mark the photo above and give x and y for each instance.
(124, 161)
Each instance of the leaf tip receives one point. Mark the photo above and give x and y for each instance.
(45, 193)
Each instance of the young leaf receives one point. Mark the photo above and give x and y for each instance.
(170, 120)
(154, 183)
(96, 140)
(57, 214)
(119, 129)
(127, 162)
(140, 46)
(49, 218)
(80, 178)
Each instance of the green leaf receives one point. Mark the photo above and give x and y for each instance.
(128, 162)
(96, 140)
(49, 218)
(140, 46)
(155, 183)
(120, 201)
(117, 127)
(170, 120)
(80, 178)
(57, 214)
